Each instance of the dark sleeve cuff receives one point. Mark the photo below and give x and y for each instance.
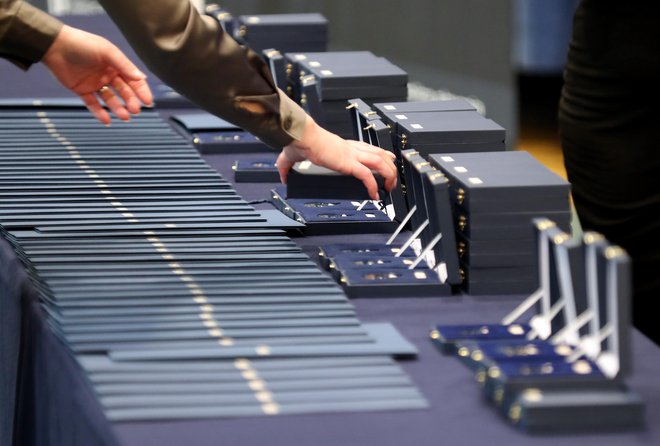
(28, 34)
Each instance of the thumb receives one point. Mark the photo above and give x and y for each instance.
(283, 165)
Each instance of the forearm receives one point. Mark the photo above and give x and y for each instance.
(26, 32)
(193, 55)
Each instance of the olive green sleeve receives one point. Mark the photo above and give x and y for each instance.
(26, 32)
(191, 53)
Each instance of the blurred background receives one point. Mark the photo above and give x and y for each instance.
(507, 54)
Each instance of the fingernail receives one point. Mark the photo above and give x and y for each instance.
(140, 74)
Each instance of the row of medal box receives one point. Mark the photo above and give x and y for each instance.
(564, 368)
(537, 385)
(335, 216)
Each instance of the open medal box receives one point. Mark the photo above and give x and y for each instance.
(564, 367)
(426, 264)
(328, 202)
(333, 215)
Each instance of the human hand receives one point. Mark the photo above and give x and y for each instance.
(345, 156)
(95, 69)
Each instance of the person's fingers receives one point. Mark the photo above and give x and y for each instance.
(135, 79)
(364, 174)
(123, 64)
(375, 162)
(283, 165)
(142, 91)
(387, 156)
(114, 104)
(127, 94)
(387, 167)
(95, 108)
(360, 145)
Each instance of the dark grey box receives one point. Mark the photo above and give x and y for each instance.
(577, 410)
(458, 127)
(277, 65)
(525, 273)
(385, 108)
(490, 288)
(307, 180)
(436, 193)
(485, 231)
(285, 32)
(256, 171)
(348, 74)
(505, 380)
(511, 181)
(225, 18)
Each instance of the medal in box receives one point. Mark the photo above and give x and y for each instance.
(333, 215)
(375, 250)
(433, 269)
(392, 283)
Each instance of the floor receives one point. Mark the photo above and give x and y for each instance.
(538, 102)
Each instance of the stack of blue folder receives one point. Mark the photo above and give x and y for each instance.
(174, 295)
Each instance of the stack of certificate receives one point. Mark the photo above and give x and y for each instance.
(175, 296)
(495, 196)
(323, 82)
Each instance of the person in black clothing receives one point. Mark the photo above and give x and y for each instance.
(609, 121)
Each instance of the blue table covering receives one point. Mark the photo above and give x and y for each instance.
(56, 405)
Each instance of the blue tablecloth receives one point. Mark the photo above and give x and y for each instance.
(56, 405)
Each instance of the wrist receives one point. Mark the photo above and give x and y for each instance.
(310, 136)
(55, 49)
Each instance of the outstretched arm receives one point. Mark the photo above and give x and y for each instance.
(82, 62)
(192, 54)
(85, 63)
